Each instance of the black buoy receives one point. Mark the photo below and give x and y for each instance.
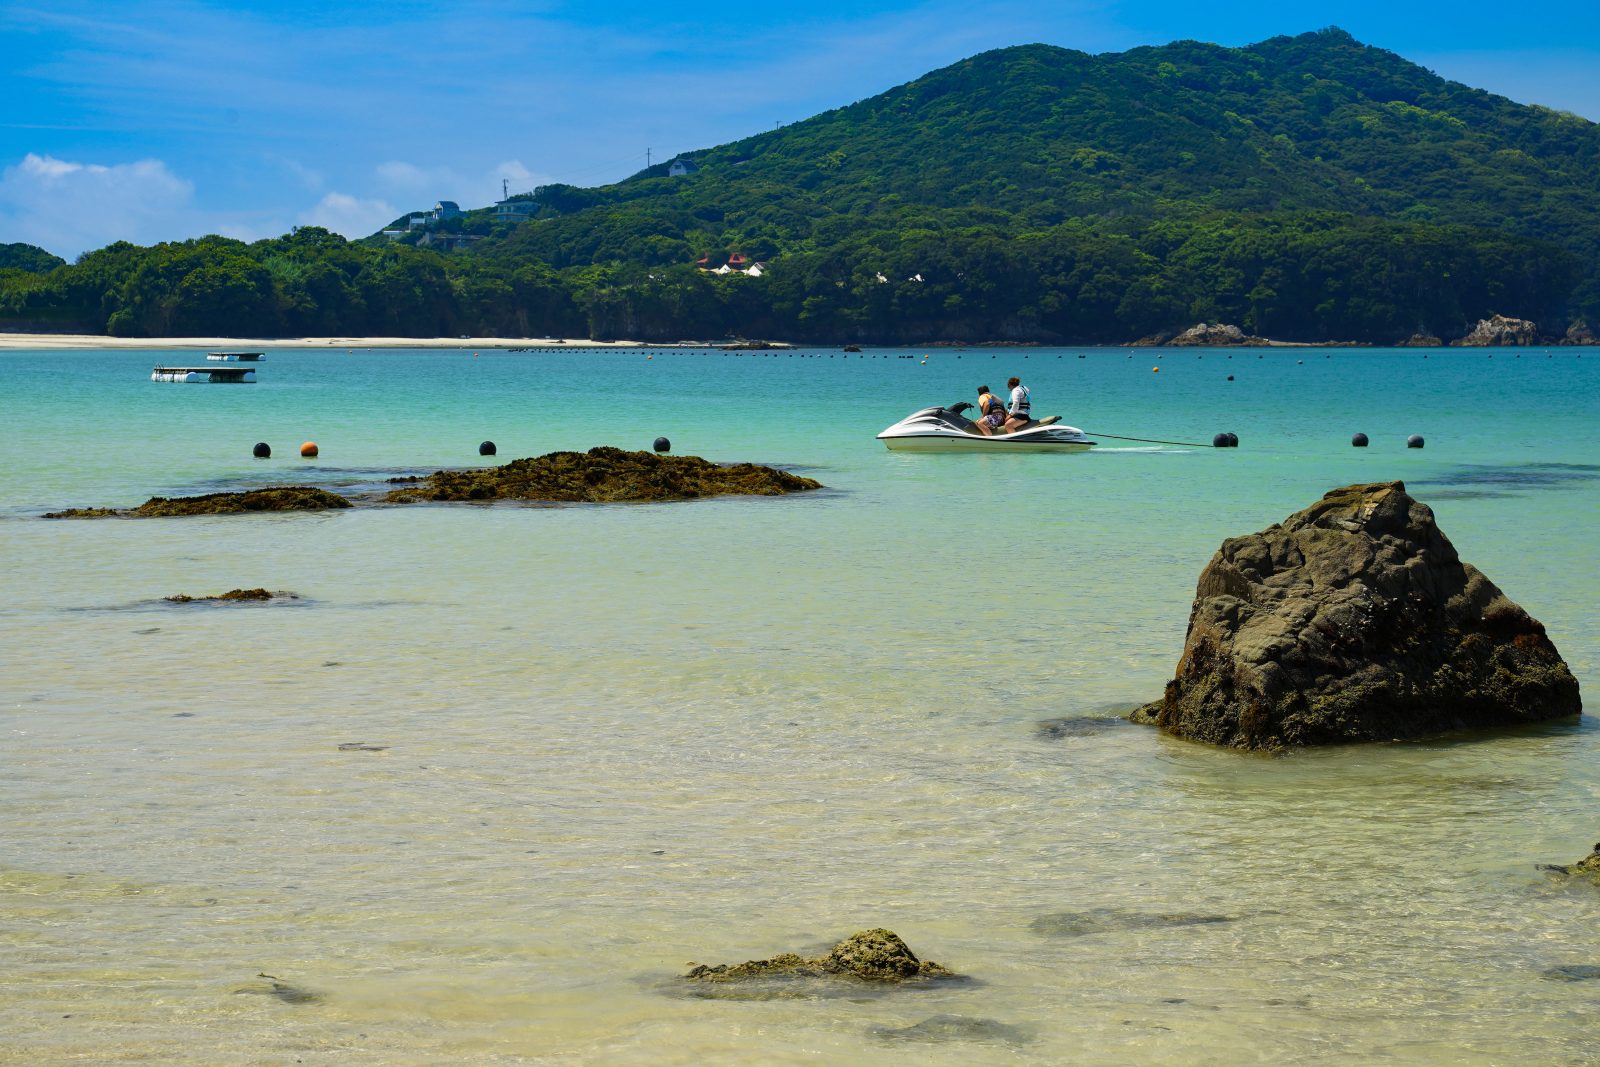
(262, 450)
(1359, 440)
(1233, 439)
(663, 445)
(486, 449)
(1230, 377)
(1220, 441)
(1414, 441)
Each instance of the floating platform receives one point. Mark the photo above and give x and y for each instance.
(214, 373)
(236, 357)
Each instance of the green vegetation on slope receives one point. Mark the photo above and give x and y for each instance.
(1308, 188)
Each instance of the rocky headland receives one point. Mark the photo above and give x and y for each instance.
(1355, 620)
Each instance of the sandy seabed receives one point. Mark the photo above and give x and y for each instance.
(41, 341)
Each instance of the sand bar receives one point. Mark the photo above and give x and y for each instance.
(43, 341)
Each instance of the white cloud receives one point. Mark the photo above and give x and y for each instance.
(70, 207)
(349, 215)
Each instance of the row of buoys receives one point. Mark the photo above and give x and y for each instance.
(1360, 440)
(309, 450)
(262, 450)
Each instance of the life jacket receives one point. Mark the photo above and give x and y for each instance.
(1020, 403)
(987, 403)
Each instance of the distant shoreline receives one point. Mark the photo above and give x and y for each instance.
(66, 341)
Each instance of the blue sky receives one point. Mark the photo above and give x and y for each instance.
(150, 120)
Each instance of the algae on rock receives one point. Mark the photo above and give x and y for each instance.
(871, 956)
(603, 475)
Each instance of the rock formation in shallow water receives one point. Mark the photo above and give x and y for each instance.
(1588, 867)
(1355, 620)
(1214, 335)
(1501, 330)
(232, 595)
(275, 498)
(603, 475)
(871, 955)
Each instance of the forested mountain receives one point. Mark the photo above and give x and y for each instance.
(1306, 187)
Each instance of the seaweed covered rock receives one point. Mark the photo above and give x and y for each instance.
(1355, 620)
(869, 956)
(1588, 867)
(275, 498)
(603, 475)
(231, 596)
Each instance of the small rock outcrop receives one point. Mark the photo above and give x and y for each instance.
(232, 595)
(1588, 867)
(276, 498)
(603, 475)
(1420, 340)
(1355, 620)
(1500, 330)
(1214, 335)
(1579, 333)
(869, 956)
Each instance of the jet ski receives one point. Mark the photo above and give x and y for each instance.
(946, 429)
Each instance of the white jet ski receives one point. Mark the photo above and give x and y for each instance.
(946, 429)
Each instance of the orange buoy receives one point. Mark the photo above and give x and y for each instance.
(309, 449)
(1155, 370)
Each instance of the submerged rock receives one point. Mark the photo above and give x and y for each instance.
(1111, 920)
(603, 475)
(287, 992)
(954, 1028)
(1501, 330)
(1355, 620)
(1575, 972)
(230, 595)
(869, 956)
(84, 513)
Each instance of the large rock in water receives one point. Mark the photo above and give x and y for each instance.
(1501, 330)
(1355, 620)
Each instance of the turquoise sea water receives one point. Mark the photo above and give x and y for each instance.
(620, 739)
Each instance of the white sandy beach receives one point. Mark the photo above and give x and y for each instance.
(54, 341)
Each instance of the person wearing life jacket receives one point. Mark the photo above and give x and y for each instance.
(991, 412)
(1017, 416)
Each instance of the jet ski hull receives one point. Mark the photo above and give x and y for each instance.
(947, 430)
(966, 443)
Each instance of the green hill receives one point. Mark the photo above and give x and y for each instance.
(1307, 187)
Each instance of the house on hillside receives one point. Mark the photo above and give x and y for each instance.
(738, 263)
(680, 167)
(515, 210)
(418, 222)
(445, 209)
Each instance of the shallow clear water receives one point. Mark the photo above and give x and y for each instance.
(620, 739)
